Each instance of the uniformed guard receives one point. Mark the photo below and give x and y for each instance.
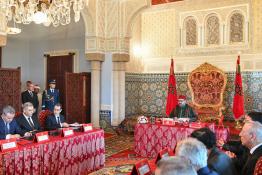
(50, 96)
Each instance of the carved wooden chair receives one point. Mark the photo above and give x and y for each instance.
(207, 85)
(258, 168)
(42, 117)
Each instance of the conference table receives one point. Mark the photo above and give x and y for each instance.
(152, 138)
(82, 152)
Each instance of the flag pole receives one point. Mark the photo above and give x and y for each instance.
(238, 71)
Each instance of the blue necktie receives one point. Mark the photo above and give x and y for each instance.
(7, 128)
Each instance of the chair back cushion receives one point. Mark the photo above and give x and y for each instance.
(258, 168)
(207, 85)
(42, 117)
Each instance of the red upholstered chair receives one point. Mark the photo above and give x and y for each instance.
(42, 117)
(18, 114)
(207, 85)
(258, 169)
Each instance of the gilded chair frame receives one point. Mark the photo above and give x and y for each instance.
(207, 68)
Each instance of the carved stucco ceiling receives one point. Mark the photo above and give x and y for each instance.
(155, 2)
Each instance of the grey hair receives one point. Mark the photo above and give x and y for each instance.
(8, 110)
(194, 150)
(175, 166)
(27, 104)
(256, 129)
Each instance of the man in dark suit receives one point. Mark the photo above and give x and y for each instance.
(50, 97)
(217, 160)
(251, 137)
(30, 96)
(28, 121)
(196, 152)
(8, 126)
(56, 120)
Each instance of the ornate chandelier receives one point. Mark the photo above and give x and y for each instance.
(42, 11)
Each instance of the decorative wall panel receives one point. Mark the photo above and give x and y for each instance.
(212, 30)
(191, 31)
(256, 30)
(236, 28)
(10, 88)
(105, 120)
(146, 93)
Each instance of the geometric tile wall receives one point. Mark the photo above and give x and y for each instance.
(146, 92)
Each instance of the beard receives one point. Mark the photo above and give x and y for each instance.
(182, 105)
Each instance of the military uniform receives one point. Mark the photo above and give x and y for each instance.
(50, 98)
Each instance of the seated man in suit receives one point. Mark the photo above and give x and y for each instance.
(183, 110)
(56, 120)
(217, 160)
(196, 152)
(28, 121)
(251, 137)
(8, 126)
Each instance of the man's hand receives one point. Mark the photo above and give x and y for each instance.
(28, 134)
(65, 125)
(220, 143)
(230, 154)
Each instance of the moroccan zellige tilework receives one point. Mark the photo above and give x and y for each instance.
(146, 92)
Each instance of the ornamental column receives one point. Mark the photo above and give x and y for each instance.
(3, 28)
(118, 96)
(95, 59)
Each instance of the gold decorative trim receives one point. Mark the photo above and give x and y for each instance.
(95, 56)
(205, 68)
(120, 57)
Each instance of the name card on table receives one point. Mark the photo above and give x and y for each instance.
(141, 168)
(41, 137)
(87, 127)
(66, 132)
(197, 125)
(168, 121)
(8, 145)
(161, 154)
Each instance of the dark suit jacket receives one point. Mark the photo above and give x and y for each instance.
(220, 162)
(206, 171)
(26, 97)
(250, 165)
(51, 122)
(13, 128)
(241, 153)
(186, 111)
(25, 126)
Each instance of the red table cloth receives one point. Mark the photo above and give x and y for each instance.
(80, 153)
(151, 138)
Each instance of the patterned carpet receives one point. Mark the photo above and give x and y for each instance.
(120, 156)
(118, 143)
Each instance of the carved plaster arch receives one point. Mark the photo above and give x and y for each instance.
(184, 35)
(88, 21)
(219, 27)
(245, 30)
(133, 16)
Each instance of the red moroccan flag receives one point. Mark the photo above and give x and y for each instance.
(172, 95)
(238, 103)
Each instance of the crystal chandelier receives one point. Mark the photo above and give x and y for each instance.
(42, 11)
